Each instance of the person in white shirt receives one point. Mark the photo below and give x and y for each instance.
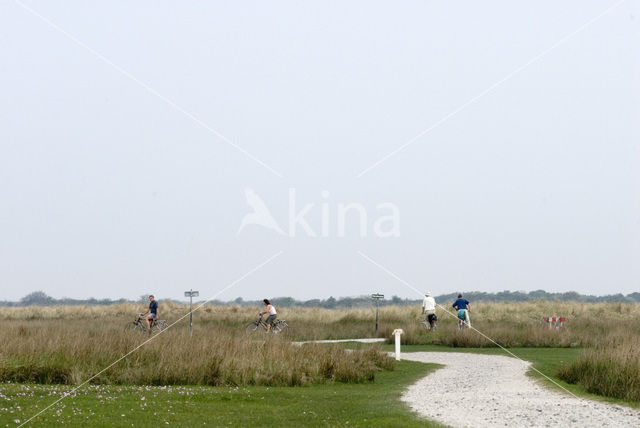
(272, 313)
(429, 309)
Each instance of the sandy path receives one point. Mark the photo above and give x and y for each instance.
(475, 390)
(371, 340)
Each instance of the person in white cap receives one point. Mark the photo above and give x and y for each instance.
(429, 310)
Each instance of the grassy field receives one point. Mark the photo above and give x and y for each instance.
(596, 353)
(511, 324)
(364, 404)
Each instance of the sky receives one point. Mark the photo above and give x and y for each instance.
(503, 137)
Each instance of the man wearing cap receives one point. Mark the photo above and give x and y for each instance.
(429, 309)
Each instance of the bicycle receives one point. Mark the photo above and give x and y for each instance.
(431, 323)
(462, 319)
(140, 325)
(279, 326)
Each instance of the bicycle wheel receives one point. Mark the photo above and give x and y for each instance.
(280, 327)
(130, 326)
(252, 327)
(134, 326)
(160, 325)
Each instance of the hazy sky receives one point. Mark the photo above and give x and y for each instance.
(110, 187)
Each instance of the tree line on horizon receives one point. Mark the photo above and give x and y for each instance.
(40, 298)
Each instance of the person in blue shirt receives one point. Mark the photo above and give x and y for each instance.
(463, 307)
(152, 311)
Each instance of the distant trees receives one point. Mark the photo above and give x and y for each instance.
(634, 296)
(40, 298)
(37, 298)
(330, 303)
(284, 301)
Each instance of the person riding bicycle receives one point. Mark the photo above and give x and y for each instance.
(429, 309)
(272, 313)
(463, 307)
(152, 312)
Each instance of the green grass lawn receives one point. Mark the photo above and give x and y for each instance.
(338, 404)
(366, 404)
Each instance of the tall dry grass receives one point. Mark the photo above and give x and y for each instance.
(510, 324)
(612, 370)
(71, 350)
(520, 324)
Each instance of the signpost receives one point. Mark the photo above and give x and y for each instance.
(377, 297)
(191, 294)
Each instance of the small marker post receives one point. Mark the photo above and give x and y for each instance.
(397, 333)
(377, 297)
(191, 294)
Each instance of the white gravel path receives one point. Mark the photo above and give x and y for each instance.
(475, 390)
(371, 340)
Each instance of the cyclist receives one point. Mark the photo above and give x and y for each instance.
(272, 313)
(463, 307)
(152, 312)
(429, 309)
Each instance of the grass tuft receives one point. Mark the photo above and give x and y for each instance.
(611, 371)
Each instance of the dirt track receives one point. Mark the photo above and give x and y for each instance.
(475, 390)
